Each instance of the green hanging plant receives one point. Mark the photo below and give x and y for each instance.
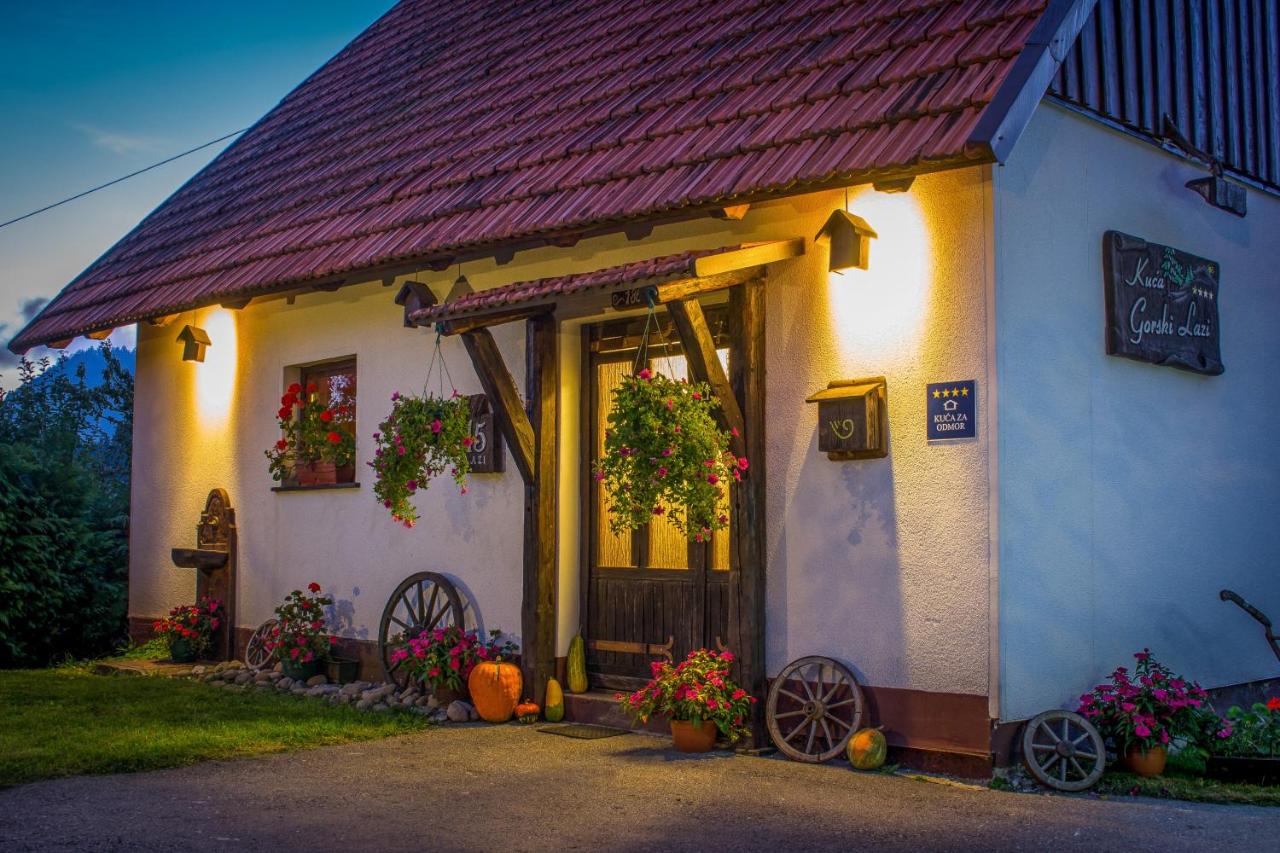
(422, 438)
(666, 455)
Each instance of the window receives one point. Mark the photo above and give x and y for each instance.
(331, 383)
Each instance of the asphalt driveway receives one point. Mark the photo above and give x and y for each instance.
(511, 788)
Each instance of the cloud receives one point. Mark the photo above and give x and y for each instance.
(7, 358)
(118, 143)
(31, 307)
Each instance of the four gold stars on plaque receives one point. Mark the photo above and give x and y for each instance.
(950, 392)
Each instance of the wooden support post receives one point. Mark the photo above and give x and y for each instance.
(538, 612)
(704, 365)
(501, 390)
(748, 553)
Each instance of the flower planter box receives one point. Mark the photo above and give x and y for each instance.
(315, 474)
(1249, 770)
(342, 670)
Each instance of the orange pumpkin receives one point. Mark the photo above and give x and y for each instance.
(495, 689)
(527, 711)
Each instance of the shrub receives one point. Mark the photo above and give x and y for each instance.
(1255, 733)
(1152, 708)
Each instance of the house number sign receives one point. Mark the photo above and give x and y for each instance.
(1162, 304)
(485, 455)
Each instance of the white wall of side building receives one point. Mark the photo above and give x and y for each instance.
(1130, 493)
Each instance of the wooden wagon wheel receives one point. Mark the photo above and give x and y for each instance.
(256, 653)
(814, 707)
(420, 603)
(1063, 750)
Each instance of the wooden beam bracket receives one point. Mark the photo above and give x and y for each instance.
(501, 390)
(704, 365)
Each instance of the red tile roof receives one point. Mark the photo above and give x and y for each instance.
(451, 129)
(521, 293)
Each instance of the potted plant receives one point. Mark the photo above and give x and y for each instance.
(1146, 713)
(1251, 750)
(299, 639)
(697, 696)
(421, 438)
(443, 659)
(665, 455)
(317, 445)
(189, 629)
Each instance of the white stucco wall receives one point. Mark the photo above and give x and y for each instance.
(883, 563)
(1129, 493)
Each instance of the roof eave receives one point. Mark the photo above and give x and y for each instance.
(1009, 112)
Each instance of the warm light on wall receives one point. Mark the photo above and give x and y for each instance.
(881, 311)
(215, 378)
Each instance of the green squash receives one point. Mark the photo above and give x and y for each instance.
(577, 665)
(554, 705)
(867, 749)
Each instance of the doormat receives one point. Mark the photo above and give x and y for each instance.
(583, 731)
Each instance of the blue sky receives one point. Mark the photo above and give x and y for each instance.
(90, 91)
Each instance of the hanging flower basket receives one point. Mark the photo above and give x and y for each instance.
(422, 438)
(666, 455)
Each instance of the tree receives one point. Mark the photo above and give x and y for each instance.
(64, 509)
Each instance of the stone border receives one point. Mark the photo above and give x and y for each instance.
(361, 695)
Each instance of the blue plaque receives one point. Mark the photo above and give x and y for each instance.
(952, 408)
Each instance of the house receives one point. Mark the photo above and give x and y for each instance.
(1014, 166)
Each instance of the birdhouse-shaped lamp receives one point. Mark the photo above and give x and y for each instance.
(849, 237)
(194, 340)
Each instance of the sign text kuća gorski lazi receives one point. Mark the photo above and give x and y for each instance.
(1162, 304)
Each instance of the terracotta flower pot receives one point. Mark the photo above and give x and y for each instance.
(1149, 763)
(315, 473)
(690, 738)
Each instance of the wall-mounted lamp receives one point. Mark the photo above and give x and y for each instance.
(193, 339)
(850, 239)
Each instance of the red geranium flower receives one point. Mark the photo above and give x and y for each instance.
(282, 445)
(326, 416)
(313, 586)
(311, 387)
(334, 437)
(295, 388)
(1273, 704)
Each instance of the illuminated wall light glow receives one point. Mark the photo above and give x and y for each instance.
(880, 312)
(215, 378)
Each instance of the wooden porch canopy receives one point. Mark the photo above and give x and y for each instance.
(675, 281)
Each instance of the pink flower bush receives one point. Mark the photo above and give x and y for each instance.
(299, 635)
(698, 688)
(666, 455)
(1152, 707)
(444, 657)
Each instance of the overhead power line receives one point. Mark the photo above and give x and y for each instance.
(124, 177)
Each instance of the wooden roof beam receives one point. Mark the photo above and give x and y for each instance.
(704, 364)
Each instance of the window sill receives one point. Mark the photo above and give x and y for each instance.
(324, 487)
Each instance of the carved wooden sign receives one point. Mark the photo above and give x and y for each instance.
(485, 455)
(1162, 304)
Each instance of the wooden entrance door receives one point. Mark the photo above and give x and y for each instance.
(648, 592)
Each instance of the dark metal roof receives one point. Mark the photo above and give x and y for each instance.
(455, 129)
(1212, 65)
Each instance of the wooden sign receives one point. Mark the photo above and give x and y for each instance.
(853, 419)
(636, 297)
(1162, 304)
(485, 455)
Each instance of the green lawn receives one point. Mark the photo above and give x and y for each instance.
(65, 721)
